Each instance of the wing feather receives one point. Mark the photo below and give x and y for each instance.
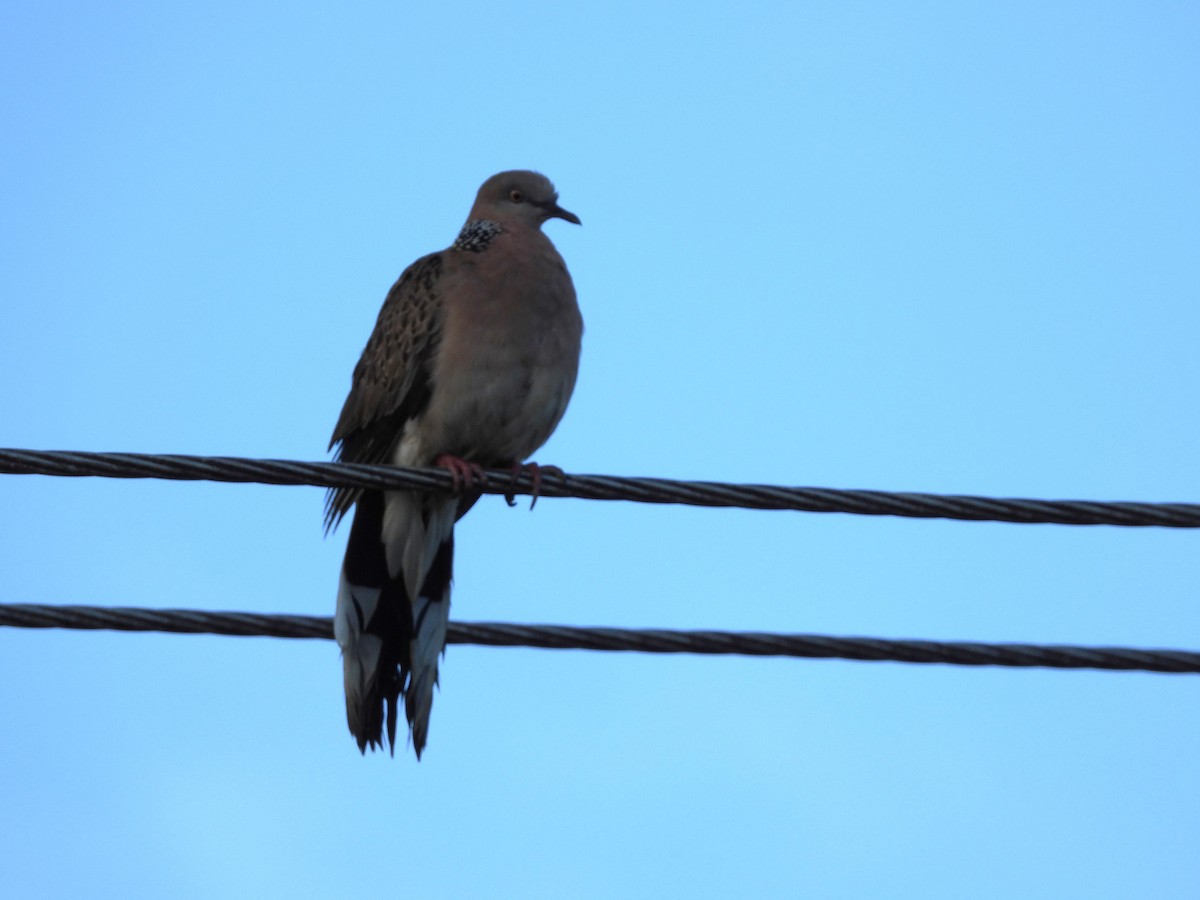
(391, 383)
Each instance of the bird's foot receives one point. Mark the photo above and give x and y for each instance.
(463, 474)
(535, 472)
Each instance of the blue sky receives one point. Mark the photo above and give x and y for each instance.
(928, 246)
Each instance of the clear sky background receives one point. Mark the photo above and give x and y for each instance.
(923, 246)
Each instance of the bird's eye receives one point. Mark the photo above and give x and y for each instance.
(515, 196)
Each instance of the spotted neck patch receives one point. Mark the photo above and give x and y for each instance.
(476, 235)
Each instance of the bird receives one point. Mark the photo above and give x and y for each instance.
(471, 364)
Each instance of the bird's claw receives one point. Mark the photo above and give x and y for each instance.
(535, 472)
(463, 474)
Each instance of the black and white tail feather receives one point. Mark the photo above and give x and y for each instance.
(401, 546)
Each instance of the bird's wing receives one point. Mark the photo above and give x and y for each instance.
(392, 379)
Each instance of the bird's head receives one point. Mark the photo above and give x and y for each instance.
(519, 197)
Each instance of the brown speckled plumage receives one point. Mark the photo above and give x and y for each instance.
(391, 380)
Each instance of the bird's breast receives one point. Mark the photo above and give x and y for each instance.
(506, 368)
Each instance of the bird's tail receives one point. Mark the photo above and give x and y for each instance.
(400, 546)
(430, 617)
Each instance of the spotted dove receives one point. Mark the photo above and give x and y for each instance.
(471, 363)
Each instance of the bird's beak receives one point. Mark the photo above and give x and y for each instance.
(557, 212)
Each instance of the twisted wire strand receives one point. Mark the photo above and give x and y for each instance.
(603, 487)
(561, 637)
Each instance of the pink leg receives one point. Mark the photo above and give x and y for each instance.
(463, 474)
(535, 472)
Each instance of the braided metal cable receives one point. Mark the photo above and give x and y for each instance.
(560, 637)
(603, 487)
